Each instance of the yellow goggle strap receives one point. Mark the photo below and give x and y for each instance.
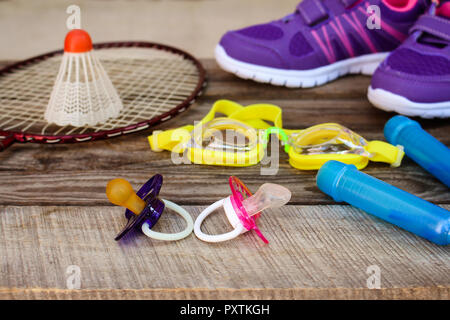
(255, 116)
(385, 152)
(226, 107)
(170, 139)
(175, 138)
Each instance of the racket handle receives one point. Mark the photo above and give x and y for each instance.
(345, 183)
(420, 146)
(6, 142)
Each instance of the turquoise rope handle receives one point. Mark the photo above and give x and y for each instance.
(345, 183)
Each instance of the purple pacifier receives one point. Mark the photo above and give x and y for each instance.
(141, 206)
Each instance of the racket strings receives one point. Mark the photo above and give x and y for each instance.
(150, 82)
(149, 91)
(18, 95)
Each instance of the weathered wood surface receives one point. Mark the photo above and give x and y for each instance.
(54, 213)
(77, 174)
(314, 252)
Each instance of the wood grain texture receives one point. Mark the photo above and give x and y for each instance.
(315, 252)
(77, 175)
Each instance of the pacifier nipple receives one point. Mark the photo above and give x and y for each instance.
(120, 192)
(269, 195)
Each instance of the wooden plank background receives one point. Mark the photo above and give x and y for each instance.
(314, 252)
(54, 213)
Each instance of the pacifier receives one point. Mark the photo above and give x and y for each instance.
(243, 209)
(144, 208)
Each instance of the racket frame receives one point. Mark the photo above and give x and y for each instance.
(9, 137)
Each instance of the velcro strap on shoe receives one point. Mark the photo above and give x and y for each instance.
(312, 11)
(434, 25)
(347, 3)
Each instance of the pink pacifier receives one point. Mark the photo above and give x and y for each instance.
(243, 209)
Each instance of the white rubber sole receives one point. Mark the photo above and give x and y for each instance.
(365, 64)
(389, 101)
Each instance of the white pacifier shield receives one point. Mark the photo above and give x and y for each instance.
(231, 214)
(232, 218)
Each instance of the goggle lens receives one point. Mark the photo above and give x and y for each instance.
(328, 139)
(225, 135)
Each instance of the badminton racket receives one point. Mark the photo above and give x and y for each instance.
(155, 83)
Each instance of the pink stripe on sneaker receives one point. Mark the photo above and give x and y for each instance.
(342, 36)
(331, 51)
(354, 4)
(360, 30)
(396, 34)
(322, 46)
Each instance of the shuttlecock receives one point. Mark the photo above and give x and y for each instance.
(83, 94)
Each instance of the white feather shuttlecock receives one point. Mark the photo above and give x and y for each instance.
(83, 94)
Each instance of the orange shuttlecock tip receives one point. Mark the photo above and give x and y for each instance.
(120, 192)
(77, 41)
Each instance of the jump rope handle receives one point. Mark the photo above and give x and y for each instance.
(420, 146)
(345, 183)
(6, 141)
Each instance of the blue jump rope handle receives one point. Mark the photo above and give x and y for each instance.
(345, 183)
(420, 146)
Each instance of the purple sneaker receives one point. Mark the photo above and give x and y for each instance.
(321, 41)
(414, 79)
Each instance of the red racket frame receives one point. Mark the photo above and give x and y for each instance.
(18, 136)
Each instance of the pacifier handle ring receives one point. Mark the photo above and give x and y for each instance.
(171, 236)
(217, 237)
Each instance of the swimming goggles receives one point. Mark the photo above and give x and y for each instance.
(240, 138)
